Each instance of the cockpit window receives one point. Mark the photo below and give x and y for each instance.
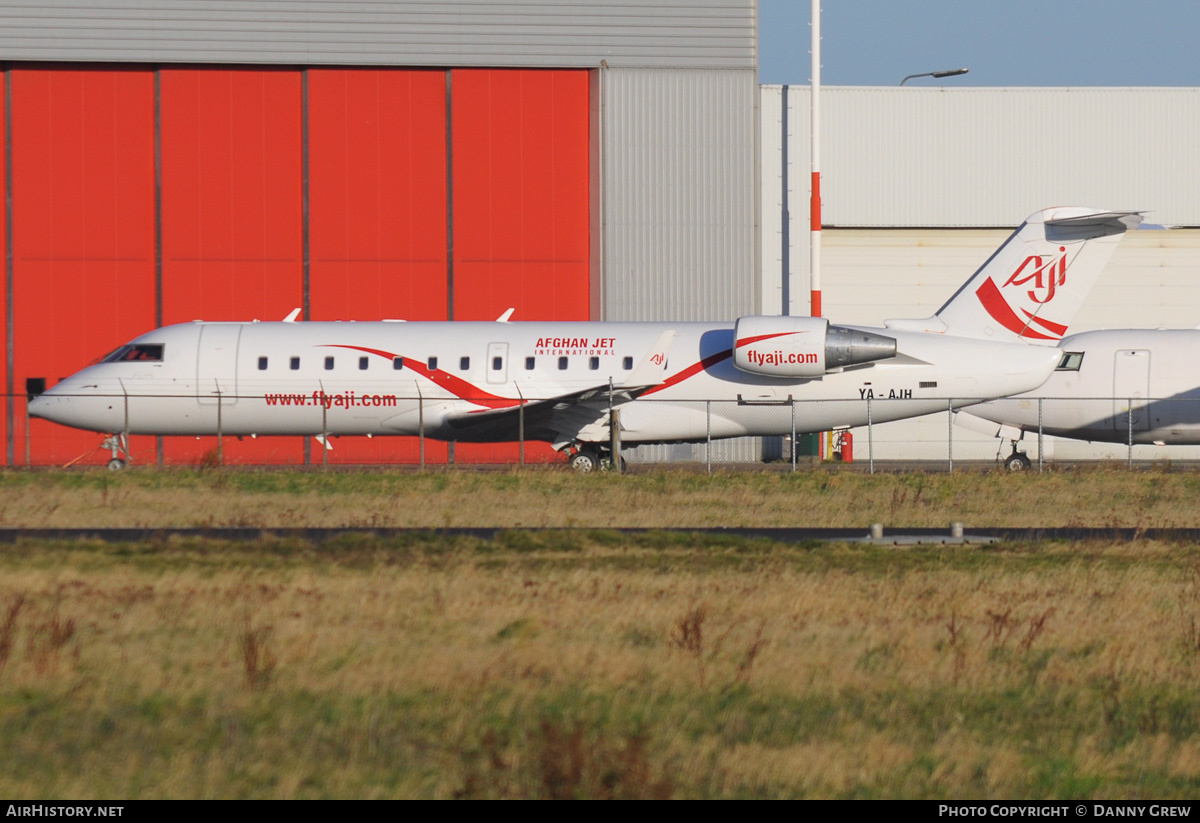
(1071, 361)
(137, 353)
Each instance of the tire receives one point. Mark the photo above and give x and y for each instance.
(606, 463)
(584, 462)
(1017, 462)
(116, 464)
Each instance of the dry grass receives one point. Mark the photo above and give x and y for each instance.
(598, 668)
(545, 497)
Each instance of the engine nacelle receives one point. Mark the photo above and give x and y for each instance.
(803, 346)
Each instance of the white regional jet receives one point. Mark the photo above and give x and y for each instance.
(1110, 387)
(556, 381)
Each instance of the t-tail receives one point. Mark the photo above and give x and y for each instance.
(1031, 288)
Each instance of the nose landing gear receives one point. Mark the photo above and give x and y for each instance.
(117, 446)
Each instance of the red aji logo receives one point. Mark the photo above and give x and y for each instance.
(656, 359)
(1044, 276)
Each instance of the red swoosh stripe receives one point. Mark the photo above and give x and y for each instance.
(991, 299)
(748, 340)
(457, 386)
(1056, 328)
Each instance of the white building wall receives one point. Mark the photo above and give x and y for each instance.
(977, 158)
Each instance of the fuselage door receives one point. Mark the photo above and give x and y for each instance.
(1131, 387)
(497, 363)
(216, 364)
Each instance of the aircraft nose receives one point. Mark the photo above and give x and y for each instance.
(47, 407)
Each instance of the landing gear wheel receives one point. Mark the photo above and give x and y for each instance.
(1017, 462)
(606, 463)
(116, 464)
(584, 461)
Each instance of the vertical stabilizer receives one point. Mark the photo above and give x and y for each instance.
(1032, 287)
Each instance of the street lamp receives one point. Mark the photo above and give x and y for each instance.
(946, 73)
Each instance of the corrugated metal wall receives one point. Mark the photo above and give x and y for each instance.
(973, 157)
(679, 194)
(560, 34)
(679, 190)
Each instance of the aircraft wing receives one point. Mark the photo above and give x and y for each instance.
(553, 418)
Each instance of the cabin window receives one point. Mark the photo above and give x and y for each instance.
(137, 353)
(294, 365)
(593, 363)
(328, 364)
(528, 364)
(432, 363)
(397, 363)
(362, 363)
(262, 364)
(497, 364)
(627, 363)
(562, 363)
(1071, 361)
(464, 363)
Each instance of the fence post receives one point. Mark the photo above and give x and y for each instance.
(950, 434)
(708, 436)
(28, 444)
(1040, 445)
(421, 424)
(521, 428)
(220, 439)
(324, 430)
(792, 403)
(1129, 418)
(125, 430)
(614, 446)
(870, 441)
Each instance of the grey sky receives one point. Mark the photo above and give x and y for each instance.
(1008, 43)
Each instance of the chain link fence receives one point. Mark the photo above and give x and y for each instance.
(877, 433)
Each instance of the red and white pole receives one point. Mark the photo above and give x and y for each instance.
(815, 145)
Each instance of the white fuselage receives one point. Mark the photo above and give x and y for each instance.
(376, 378)
(1143, 383)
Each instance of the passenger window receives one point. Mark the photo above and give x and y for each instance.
(432, 364)
(262, 364)
(593, 363)
(627, 363)
(497, 364)
(562, 363)
(295, 364)
(528, 364)
(362, 364)
(397, 363)
(464, 363)
(1071, 361)
(328, 364)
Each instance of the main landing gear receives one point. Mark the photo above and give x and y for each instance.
(588, 458)
(1017, 461)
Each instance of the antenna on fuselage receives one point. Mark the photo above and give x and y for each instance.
(504, 317)
(291, 318)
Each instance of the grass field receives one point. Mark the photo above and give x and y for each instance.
(554, 497)
(591, 664)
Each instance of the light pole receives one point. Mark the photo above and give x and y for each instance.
(946, 73)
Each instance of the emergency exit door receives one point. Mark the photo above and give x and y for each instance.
(216, 364)
(1131, 387)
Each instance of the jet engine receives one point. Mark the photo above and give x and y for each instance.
(803, 346)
